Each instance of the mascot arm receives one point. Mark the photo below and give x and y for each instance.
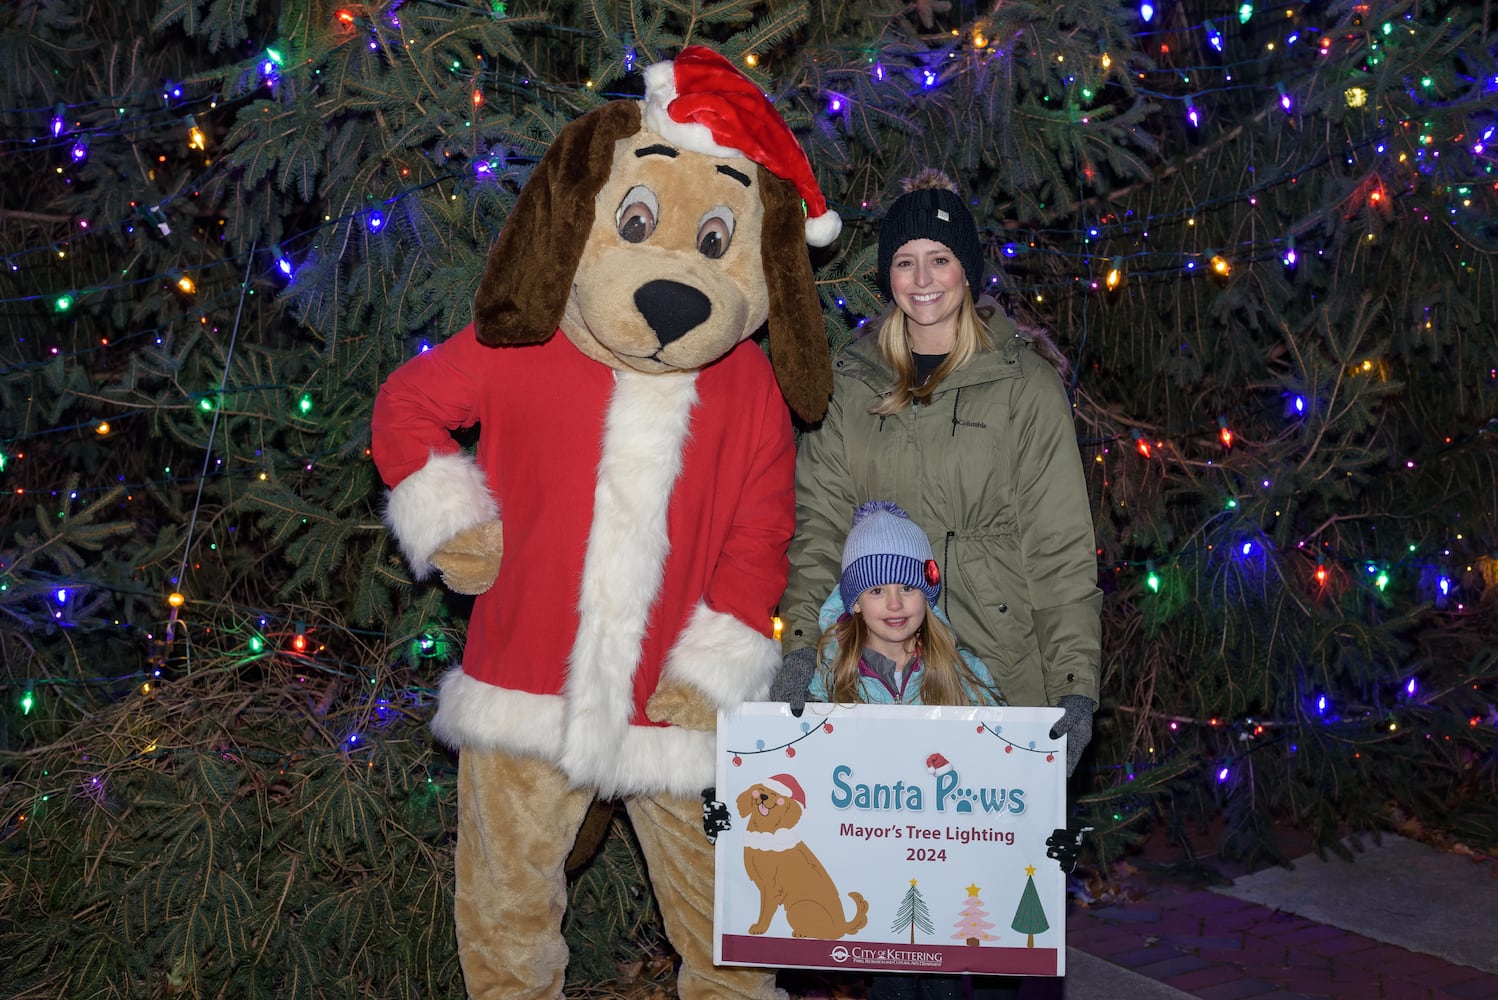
(727, 653)
(439, 497)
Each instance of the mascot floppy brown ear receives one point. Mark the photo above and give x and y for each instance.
(520, 299)
(798, 350)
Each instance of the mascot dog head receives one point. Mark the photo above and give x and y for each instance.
(658, 234)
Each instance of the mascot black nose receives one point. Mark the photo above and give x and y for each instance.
(671, 308)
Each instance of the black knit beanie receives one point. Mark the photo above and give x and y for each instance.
(932, 214)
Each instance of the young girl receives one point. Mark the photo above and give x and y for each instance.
(884, 641)
(892, 645)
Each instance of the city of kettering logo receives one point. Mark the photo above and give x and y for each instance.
(839, 954)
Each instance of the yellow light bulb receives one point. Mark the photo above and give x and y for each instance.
(187, 285)
(751, 60)
(175, 599)
(102, 428)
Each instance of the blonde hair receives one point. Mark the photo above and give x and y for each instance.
(895, 347)
(945, 676)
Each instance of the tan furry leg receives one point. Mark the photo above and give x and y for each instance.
(517, 820)
(681, 872)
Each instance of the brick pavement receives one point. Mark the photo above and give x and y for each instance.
(1219, 948)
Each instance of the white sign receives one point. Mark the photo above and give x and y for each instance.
(892, 838)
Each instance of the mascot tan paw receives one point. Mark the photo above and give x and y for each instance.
(469, 562)
(682, 705)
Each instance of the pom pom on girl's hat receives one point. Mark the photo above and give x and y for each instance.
(885, 546)
(700, 102)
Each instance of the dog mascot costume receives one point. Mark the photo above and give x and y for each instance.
(636, 473)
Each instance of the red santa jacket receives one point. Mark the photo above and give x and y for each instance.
(646, 520)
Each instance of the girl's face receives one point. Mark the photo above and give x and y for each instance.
(892, 613)
(928, 285)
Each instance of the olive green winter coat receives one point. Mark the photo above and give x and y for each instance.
(991, 470)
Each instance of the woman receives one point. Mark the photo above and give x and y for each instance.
(963, 421)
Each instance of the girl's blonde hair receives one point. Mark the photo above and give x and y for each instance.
(946, 678)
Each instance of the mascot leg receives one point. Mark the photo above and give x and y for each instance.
(680, 860)
(517, 819)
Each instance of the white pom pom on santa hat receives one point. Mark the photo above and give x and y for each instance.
(700, 102)
(787, 785)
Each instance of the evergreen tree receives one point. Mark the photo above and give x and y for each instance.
(912, 914)
(1029, 915)
(1266, 241)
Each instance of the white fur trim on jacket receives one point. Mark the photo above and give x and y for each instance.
(645, 760)
(724, 658)
(644, 434)
(426, 509)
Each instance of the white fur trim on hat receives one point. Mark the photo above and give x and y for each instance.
(660, 91)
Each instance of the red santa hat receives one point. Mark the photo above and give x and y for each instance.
(700, 102)
(937, 764)
(785, 784)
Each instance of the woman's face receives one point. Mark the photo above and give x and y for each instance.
(928, 285)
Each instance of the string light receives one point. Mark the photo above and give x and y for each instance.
(195, 137)
(1114, 277)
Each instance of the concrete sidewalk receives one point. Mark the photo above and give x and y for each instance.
(1405, 922)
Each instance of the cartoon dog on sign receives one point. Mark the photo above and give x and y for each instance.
(785, 870)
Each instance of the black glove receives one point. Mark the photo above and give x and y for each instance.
(715, 818)
(1065, 844)
(1076, 725)
(793, 679)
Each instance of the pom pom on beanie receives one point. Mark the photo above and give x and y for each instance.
(885, 546)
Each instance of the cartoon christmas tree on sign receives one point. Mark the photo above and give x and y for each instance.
(973, 925)
(1029, 918)
(913, 913)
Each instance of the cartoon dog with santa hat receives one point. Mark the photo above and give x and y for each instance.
(625, 518)
(784, 868)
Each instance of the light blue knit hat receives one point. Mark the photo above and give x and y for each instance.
(885, 546)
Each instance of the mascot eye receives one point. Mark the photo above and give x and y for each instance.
(715, 233)
(637, 214)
